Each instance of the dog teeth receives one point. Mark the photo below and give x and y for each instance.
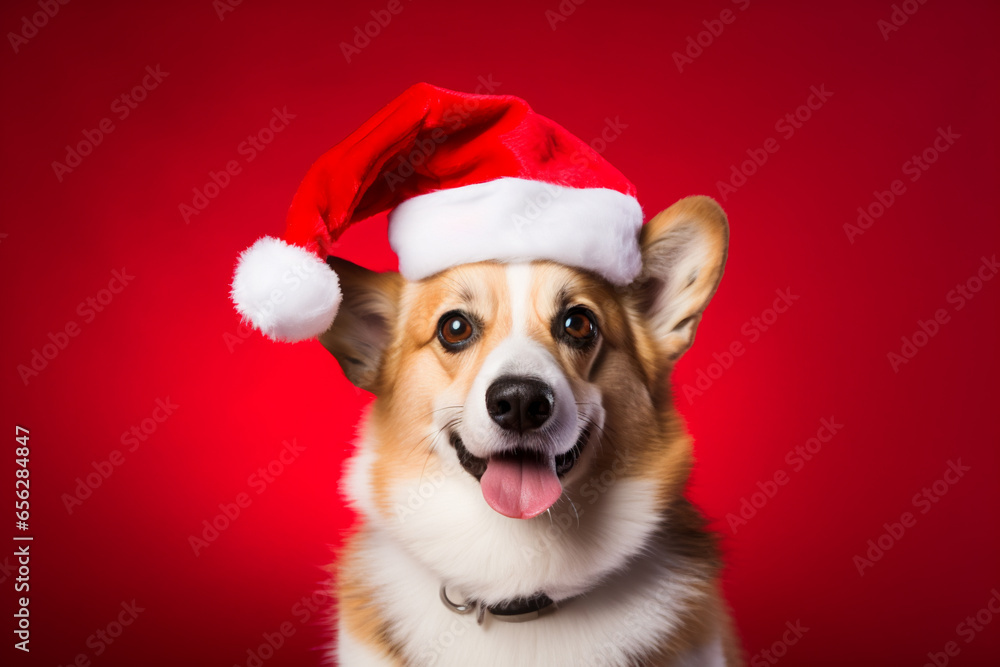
(476, 466)
(566, 461)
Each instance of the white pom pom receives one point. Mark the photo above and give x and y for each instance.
(285, 291)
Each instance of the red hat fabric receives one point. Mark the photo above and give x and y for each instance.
(467, 178)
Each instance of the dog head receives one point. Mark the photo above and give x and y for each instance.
(515, 398)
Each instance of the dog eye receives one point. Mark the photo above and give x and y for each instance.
(454, 331)
(579, 326)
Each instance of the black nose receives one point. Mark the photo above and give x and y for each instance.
(519, 403)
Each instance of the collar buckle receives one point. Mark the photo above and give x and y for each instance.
(514, 611)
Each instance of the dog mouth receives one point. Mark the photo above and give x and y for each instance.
(520, 483)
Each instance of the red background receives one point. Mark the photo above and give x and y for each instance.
(170, 333)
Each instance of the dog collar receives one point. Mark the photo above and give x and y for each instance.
(517, 610)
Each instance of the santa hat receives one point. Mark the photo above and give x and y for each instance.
(467, 178)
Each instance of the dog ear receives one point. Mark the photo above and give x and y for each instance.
(364, 325)
(683, 253)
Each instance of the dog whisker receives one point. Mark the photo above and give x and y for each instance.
(572, 506)
(601, 434)
(424, 467)
(450, 424)
(447, 407)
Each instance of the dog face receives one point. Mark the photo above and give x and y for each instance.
(507, 391)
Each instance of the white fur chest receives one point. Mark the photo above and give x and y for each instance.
(625, 617)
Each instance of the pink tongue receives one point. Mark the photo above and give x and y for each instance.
(520, 488)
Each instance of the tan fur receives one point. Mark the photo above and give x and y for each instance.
(417, 368)
(644, 329)
(711, 617)
(356, 602)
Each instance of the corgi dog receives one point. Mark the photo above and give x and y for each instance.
(520, 475)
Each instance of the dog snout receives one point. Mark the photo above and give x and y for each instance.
(519, 403)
